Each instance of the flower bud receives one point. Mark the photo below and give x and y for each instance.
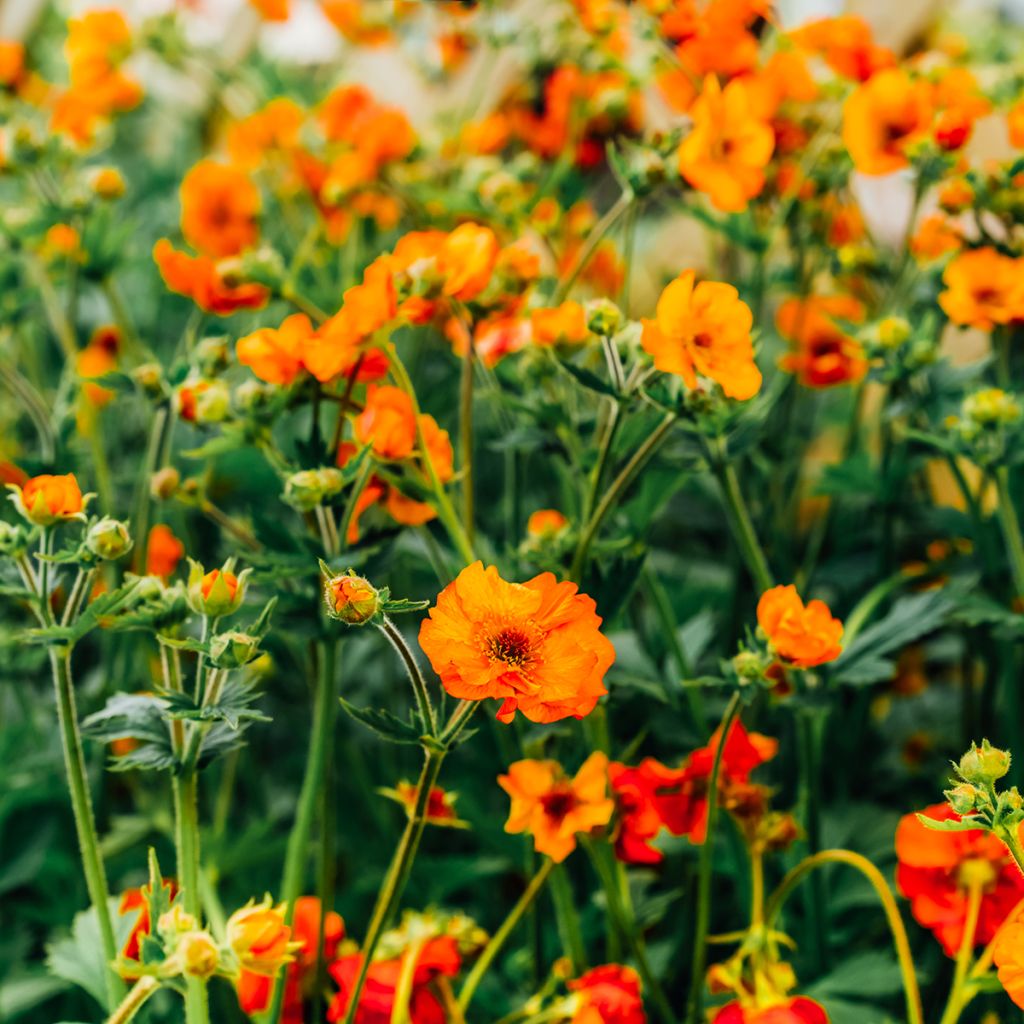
(176, 921)
(263, 265)
(351, 599)
(214, 593)
(149, 378)
(253, 396)
(233, 649)
(604, 318)
(983, 765)
(108, 538)
(212, 355)
(45, 500)
(991, 406)
(106, 182)
(258, 936)
(309, 488)
(893, 331)
(197, 954)
(748, 666)
(963, 798)
(13, 540)
(164, 483)
(204, 401)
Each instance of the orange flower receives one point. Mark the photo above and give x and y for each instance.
(554, 808)
(259, 937)
(47, 499)
(641, 795)
(983, 288)
(96, 359)
(388, 423)
(846, 45)
(163, 551)
(609, 994)
(63, 240)
(545, 523)
(566, 324)
(1008, 956)
(440, 803)
(798, 1010)
(219, 205)
(272, 10)
(254, 990)
(960, 102)
(466, 260)
(536, 646)
(937, 869)
(198, 278)
(230, 581)
(704, 329)
(1015, 124)
(728, 148)
(826, 355)
(12, 62)
(801, 636)
(935, 237)
(883, 117)
(956, 195)
(275, 355)
(275, 128)
(352, 599)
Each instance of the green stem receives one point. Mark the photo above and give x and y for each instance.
(85, 822)
(466, 433)
(133, 1002)
(568, 920)
(1010, 525)
(316, 759)
(739, 516)
(892, 913)
(703, 913)
(594, 239)
(498, 939)
(615, 491)
(959, 996)
(140, 525)
(358, 485)
(810, 799)
(419, 685)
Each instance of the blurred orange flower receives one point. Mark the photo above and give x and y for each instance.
(825, 354)
(802, 636)
(553, 808)
(609, 994)
(198, 278)
(845, 43)
(704, 329)
(97, 358)
(387, 423)
(274, 128)
(219, 205)
(275, 354)
(983, 288)
(47, 499)
(1008, 956)
(728, 148)
(163, 551)
(564, 324)
(546, 522)
(536, 646)
(796, 1010)
(466, 260)
(935, 237)
(258, 935)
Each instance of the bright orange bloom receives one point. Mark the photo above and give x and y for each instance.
(798, 1010)
(376, 134)
(983, 288)
(219, 205)
(728, 148)
(229, 578)
(254, 990)
(12, 62)
(440, 803)
(47, 499)
(564, 324)
(956, 195)
(553, 808)
(825, 355)
(935, 237)
(546, 522)
(275, 128)
(198, 278)
(959, 102)
(1008, 956)
(63, 240)
(275, 355)
(1015, 124)
(536, 646)
(802, 636)
(466, 261)
(937, 869)
(352, 599)
(883, 117)
(388, 423)
(846, 45)
(704, 329)
(609, 994)
(96, 359)
(641, 795)
(272, 10)
(259, 937)
(163, 551)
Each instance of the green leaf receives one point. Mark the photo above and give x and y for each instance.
(950, 824)
(20, 994)
(385, 724)
(588, 379)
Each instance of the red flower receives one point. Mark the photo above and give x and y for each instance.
(438, 957)
(639, 794)
(794, 1011)
(608, 995)
(936, 870)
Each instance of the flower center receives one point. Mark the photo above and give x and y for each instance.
(510, 645)
(558, 803)
(976, 871)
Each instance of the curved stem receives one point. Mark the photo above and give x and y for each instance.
(958, 995)
(703, 914)
(81, 805)
(133, 1002)
(497, 940)
(419, 685)
(615, 491)
(885, 896)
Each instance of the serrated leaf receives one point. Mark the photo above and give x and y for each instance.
(588, 379)
(949, 824)
(385, 724)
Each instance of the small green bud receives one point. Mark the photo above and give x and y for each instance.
(108, 538)
(604, 318)
(983, 765)
(963, 798)
(748, 666)
(311, 487)
(233, 649)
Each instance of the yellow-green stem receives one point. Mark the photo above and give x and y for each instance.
(959, 995)
(134, 1000)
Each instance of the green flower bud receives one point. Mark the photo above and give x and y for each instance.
(963, 798)
(233, 649)
(604, 318)
(983, 765)
(108, 538)
(212, 355)
(215, 593)
(309, 488)
(13, 539)
(748, 665)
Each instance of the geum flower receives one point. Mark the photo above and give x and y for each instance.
(219, 206)
(553, 808)
(439, 957)
(536, 646)
(1008, 956)
(936, 871)
(825, 355)
(984, 288)
(609, 994)
(48, 499)
(259, 937)
(254, 990)
(640, 794)
(728, 148)
(797, 1010)
(802, 636)
(704, 329)
(201, 279)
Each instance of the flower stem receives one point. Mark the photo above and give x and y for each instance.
(594, 239)
(703, 914)
(499, 938)
(81, 805)
(618, 486)
(739, 516)
(1010, 524)
(419, 685)
(959, 996)
(132, 1003)
(324, 710)
(892, 913)
(466, 433)
(568, 920)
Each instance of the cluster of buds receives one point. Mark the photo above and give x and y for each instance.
(898, 348)
(988, 420)
(308, 488)
(418, 927)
